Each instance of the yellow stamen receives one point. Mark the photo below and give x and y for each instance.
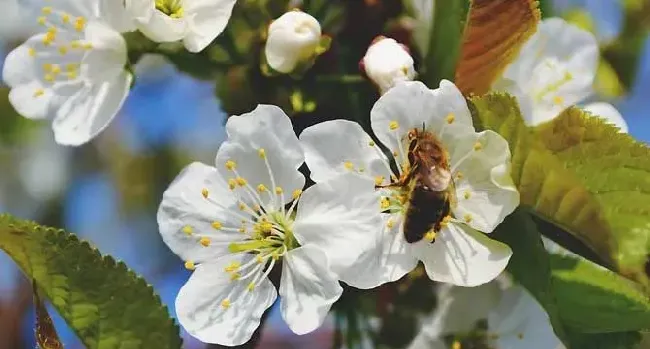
(225, 303)
(262, 153)
(478, 146)
(278, 190)
(216, 225)
(467, 194)
(450, 118)
(261, 188)
(371, 144)
(205, 241)
(240, 181)
(231, 165)
(188, 230)
(379, 180)
(430, 235)
(348, 165)
(189, 265)
(393, 125)
(205, 193)
(467, 218)
(296, 194)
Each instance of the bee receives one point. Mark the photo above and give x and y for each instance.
(432, 190)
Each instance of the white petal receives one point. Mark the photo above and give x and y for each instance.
(185, 215)
(521, 323)
(388, 63)
(268, 128)
(200, 310)
(108, 56)
(307, 289)
(340, 216)
(462, 256)
(607, 112)
(486, 193)
(19, 67)
(89, 111)
(154, 24)
(412, 105)
(329, 145)
(28, 101)
(116, 15)
(388, 261)
(208, 18)
(556, 67)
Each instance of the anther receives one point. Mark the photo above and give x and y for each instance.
(390, 224)
(296, 194)
(261, 188)
(278, 190)
(242, 206)
(189, 265)
(241, 181)
(478, 146)
(430, 235)
(80, 24)
(467, 218)
(262, 153)
(393, 125)
(63, 50)
(205, 241)
(467, 194)
(379, 180)
(225, 303)
(188, 230)
(558, 100)
(348, 165)
(46, 10)
(205, 193)
(231, 165)
(385, 203)
(371, 144)
(250, 287)
(456, 345)
(232, 267)
(459, 175)
(42, 20)
(232, 183)
(216, 225)
(450, 118)
(39, 92)
(65, 18)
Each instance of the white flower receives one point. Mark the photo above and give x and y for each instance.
(196, 22)
(607, 112)
(293, 38)
(515, 320)
(555, 69)
(235, 222)
(73, 73)
(388, 63)
(479, 164)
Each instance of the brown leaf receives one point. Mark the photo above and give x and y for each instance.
(495, 32)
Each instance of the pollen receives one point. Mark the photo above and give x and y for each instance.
(205, 193)
(371, 144)
(450, 118)
(232, 183)
(390, 224)
(558, 100)
(384, 203)
(226, 303)
(216, 225)
(188, 230)
(467, 218)
(232, 267)
(296, 194)
(39, 92)
(393, 125)
(235, 276)
(430, 236)
(65, 18)
(279, 190)
(379, 180)
(242, 206)
(240, 181)
(262, 153)
(467, 194)
(189, 265)
(261, 188)
(49, 38)
(348, 165)
(205, 241)
(231, 165)
(80, 24)
(478, 146)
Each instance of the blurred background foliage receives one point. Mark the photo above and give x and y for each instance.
(108, 191)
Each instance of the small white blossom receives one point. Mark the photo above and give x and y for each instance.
(515, 320)
(74, 72)
(293, 38)
(479, 164)
(555, 69)
(388, 63)
(232, 224)
(196, 22)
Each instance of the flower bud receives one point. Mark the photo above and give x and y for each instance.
(293, 39)
(387, 63)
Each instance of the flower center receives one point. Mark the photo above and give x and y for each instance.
(60, 52)
(172, 8)
(551, 75)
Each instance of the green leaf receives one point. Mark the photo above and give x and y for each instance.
(581, 175)
(593, 299)
(445, 40)
(495, 32)
(530, 263)
(616, 340)
(615, 168)
(107, 305)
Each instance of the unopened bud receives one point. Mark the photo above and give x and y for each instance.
(388, 63)
(294, 38)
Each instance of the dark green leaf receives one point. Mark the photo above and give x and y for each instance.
(105, 303)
